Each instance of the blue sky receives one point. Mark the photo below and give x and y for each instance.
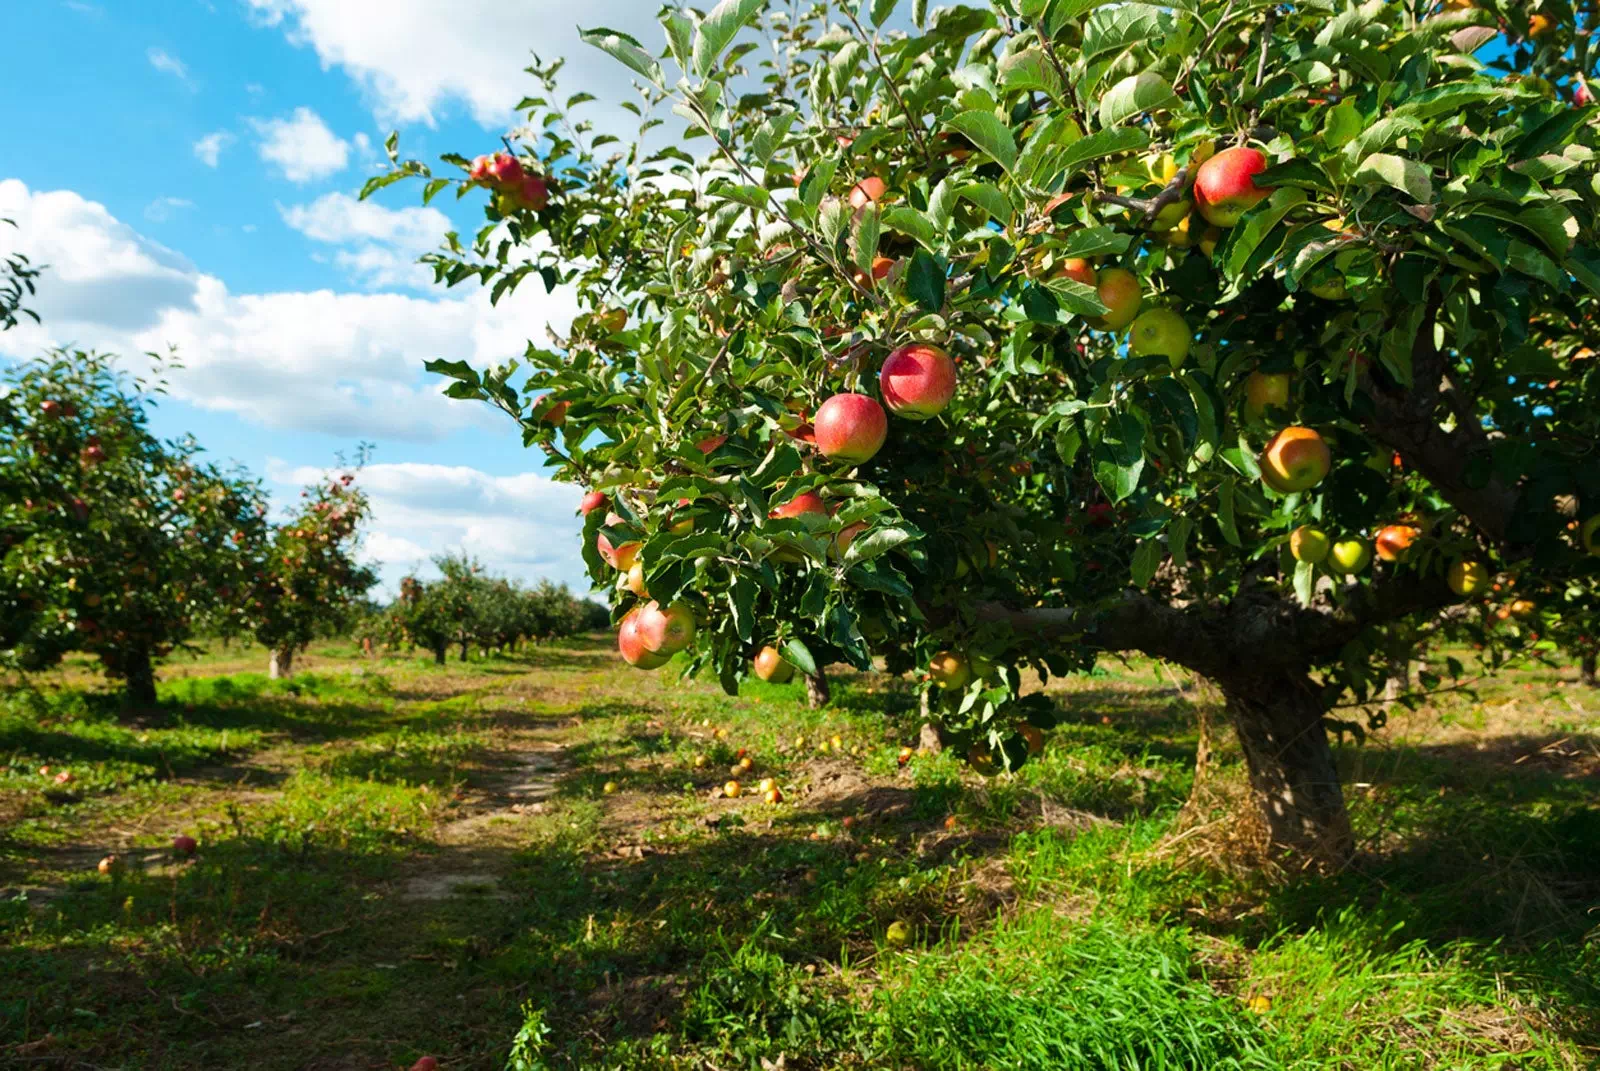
(192, 183)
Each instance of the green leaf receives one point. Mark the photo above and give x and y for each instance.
(1225, 518)
(941, 205)
(919, 13)
(875, 543)
(1258, 223)
(1119, 455)
(1029, 71)
(1059, 129)
(988, 133)
(1410, 177)
(1305, 574)
(991, 200)
(912, 224)
(865, 239)
(1178, 540)
(1146, 560)
(718, 29)
(1135, 95)
(1077, 297)
(925, 281)
(1101, 144)
(1342, 123)
(1094, 242)
(625, 48)
(881, 10)
(1116, 29)
(798, 655)
(680, 37)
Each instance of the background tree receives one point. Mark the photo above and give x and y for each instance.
(18, 278)
(1178, 313)
(111, 541)
(307, 580)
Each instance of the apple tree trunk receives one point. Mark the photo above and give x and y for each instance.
(818, 691)
(280, 664)
(139, 677)
(1586, 670)
(1292, 770)
(464, 650)
(439, 653)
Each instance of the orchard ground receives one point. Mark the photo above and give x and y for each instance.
(398, 859)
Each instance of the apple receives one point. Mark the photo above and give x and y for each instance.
(555, 413)
(949, 670)
(480, 168)
(1350, 555)
(898, 933)
(867, 190)
(1394, 540)
(184, 844)
(110, 865)
(1538, 25)
(1296, 459)
(917, 381)
(619, 558)
(591, 502)
(731, 790)
(1589, 535)
(426, 1063)
(1160, 333)
(1034, 736)
(904, 756)
(50, 408)
(773, 795)
(1079, 270)
(1522, 609)
(92, 455)
(611, 320)
(847, 535)
(1330, 288)
(770, 666)
(680, 525)
(634, 580)
(64, 777)
(1171, 215)
(631, 644)
(850, 428)
(1468, 578)
(666, 630)
(1119, 291)
(1209, 239)
(800, 505)
(1581, 95)
(1225, 186)
(609, 788)
(1264, 390)
(505, 170)
(533, 192)
(881, 266)
(1308, 543)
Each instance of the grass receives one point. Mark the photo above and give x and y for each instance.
(399, 859)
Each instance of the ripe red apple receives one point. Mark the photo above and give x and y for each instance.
(555, 413)
(1263, 390)
(1393, 540)
(1296, 459)
(771, 667)
(1581, 95)
(591, 502)
(881, 266)
(1225, 186)
(80, 510)
(184, 844)
(619, 558)
(505, 170)
(533, 193)
(1120, 293)
(799, 505)
(867, 190)
(665, 631)
(479, 171)
(1079, 270)
(917, 381)
(850, 428)
(631, 644)
(50, 408)
(1160, 333)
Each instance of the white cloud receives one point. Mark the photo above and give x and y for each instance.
(208, 150)
(162, 208)
(346, 364)
(430, 55)
(384, 243)
(167, 63)
(302, 146)
(524, 525)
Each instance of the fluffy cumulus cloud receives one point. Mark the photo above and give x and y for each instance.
(430, 56)
(301, 146)
(523, 525)
(378, 245)
(347, 364)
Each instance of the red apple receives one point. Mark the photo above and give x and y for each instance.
(665, 631)
(184, 844)
(881, 267)
(917, 381)
(806, 502)
(591, 502)
(850, 428)
(846, 536)
(866, 191)
(631, 644)
(1225, 186)
(425, 1063)
(770, 666)
(50, 408)
(1393, 540)
(1581, 95)
(1079, 270)
(1119, 291)
(533, 193)
(480, 168)
(555, 413)
(505, 170)
(1296, 459)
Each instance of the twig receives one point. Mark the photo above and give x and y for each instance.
(883, 70)
(1261, 65)
(1182, 82)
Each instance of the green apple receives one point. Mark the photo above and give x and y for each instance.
(1351, 555)
(1468, 578)
(1308, 543)
(1160, 333)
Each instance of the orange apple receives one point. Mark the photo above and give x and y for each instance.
(1079, 270)
(1119, 291)
(1394, 540)
(771, 667)
(867, 190)
(800, 505)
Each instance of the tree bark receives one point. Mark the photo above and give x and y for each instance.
(1279, 722)
(139, 677)
(1586, 670)
(818, 693)
(463, 650)
(439, 655)
(280, 664)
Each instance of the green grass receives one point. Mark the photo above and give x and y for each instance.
(372, 886)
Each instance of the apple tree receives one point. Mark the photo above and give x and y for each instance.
(307, 579)
(112, 542)
(999, 337)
